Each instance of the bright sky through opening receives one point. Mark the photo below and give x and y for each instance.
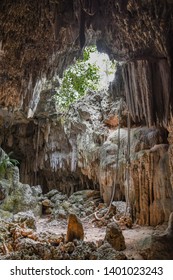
(105, 70)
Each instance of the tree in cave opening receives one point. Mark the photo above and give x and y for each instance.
(93, 72)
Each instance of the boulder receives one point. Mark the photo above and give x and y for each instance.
(5, 215)
(36, 190)
(158, 246)
(59, 213)
(47, 203)
(21, 199)
(115, 237)
(57, 198)
(27, 217)
(106, 252)
(52, 193)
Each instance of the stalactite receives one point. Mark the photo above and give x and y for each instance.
(56, 160)
(148, 94)
(47, 130)
(73, 158)
(37, 154)
(35, 97)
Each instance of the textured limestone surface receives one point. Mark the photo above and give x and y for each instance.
(158, 246)
(84, 148)
(138, 33)
(114, 236)
(15, 196)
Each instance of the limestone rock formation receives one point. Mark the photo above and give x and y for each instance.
(158, 246)
(115, 237)
(74, 229)
(79, 150)
(107, 252)
(137, 33)
(25, 217)
(169, 230)
(6, 215)
(15, 196)
(149, 192)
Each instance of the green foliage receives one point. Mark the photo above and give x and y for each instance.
(78, 79)
(6, 162)
(91, 73)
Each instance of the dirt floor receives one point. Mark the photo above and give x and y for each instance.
(97, 234)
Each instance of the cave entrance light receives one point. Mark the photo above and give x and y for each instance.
(106, 68)
(93, 72)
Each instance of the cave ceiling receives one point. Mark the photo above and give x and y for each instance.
(40, 38)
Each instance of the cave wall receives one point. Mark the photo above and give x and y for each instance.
(79, 150)
(148, 88)
(136, 32)
(45, 147)
(29, 28)
(46, 156)
(151, 190)
(39, 39)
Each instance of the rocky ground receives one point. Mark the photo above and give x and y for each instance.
(96, 234)
(26, 236)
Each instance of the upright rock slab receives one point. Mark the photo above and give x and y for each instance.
(115, 237)
(74, 229)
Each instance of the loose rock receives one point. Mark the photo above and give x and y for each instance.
(115, 237)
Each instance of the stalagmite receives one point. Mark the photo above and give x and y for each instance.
(74, 229)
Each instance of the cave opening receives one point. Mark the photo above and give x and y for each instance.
(93, 71)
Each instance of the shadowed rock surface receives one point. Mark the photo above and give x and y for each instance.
(158, 246)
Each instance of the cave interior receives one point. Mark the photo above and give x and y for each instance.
(115, 145)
